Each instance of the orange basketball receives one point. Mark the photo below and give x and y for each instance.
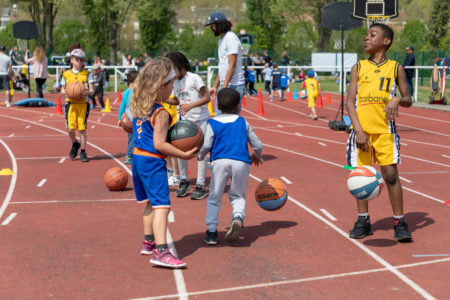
(116, 179)
(75, 91)
(271, 194)
(126, 124)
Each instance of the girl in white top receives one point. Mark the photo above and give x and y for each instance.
(190, 90)
(40, 68)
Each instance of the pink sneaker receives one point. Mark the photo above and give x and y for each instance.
(147, 248)
(166, 259)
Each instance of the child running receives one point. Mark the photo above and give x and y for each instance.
(190, 90)
(373, 106)
(312, 90)
(150, 126)
(77, 111)
(226, 138)
(125, 108)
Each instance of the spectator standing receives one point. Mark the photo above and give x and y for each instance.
(147, 57)
(410, 60)
(40, 68)
(267, 78)
(230, 57)
(5, 74)
(14, 56)
(267, 59)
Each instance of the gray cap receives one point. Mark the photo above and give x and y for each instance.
(216, 17)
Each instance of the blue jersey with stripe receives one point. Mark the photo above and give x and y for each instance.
(143, 131)
(251, 76)
(284, 81)
(230, 139)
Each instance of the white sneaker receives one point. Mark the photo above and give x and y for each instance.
(174, 180)
(8, 104)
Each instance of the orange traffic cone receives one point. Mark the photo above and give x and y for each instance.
(290, 96)
(58, 106)
(328, 99)
(319, 101)
(261, 105)
(243, 103)
(119, 97)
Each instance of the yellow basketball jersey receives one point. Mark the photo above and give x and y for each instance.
(376, 87)
(311, 86)
(70, 76)
(172, 110)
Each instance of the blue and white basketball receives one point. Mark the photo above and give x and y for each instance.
(365, 183)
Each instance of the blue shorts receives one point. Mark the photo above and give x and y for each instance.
(150, 181)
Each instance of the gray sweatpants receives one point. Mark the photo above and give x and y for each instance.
(221, 171)
(202, 164)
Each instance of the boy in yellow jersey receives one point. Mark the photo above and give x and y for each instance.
(373, 106)
(312, 90)
(77, 111)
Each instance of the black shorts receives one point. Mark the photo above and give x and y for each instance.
(4, 82)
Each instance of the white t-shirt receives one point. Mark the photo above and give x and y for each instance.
(187, 90)
(230, 44)
(5, 61)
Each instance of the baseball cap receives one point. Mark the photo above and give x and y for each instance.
(78, 53)
(274, 65)
(310, 73)
(216, 17)
(410, 48)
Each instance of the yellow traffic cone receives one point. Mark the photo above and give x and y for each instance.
(107, 106)
(6, 171)
(11, 88)
(211, 109)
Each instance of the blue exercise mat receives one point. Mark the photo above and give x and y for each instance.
(35, 102)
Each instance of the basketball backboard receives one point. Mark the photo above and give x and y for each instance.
(366, 9)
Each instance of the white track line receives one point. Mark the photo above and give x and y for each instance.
(62, 160)
(446, 156)
(179, 279)
(42, 182)
(9, 219)
(72, 201)
(38, 158)
(171, 217)
(429, 255)
(404, 179)
(322, 144)
(12, 184)
(28, 126)
(327, 214)
(285, 180)
(11, 135)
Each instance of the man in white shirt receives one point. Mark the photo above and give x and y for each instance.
(230, 58)
(6, 73)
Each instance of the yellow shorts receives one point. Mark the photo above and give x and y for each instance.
(76, 115)
(312, 99)
(384, 150)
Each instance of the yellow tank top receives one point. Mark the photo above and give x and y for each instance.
(311, 86)
(172, 110)
(70, 76)
(376, 87)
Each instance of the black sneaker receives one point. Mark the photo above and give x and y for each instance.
(83, 156)
(235, 228)
(199, 192)
(74, 151)
(402, 233)
(183, 188)
(211, 237)
(362, 228)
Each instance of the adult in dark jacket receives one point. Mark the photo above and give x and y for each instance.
(410, 60)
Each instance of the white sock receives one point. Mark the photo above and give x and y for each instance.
(399, 217)
(366, 215)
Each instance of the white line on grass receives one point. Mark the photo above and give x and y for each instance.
(327, 214)
(9, 219)
(42, 182)
(285, 180)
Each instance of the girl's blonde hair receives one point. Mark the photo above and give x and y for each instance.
(39, 53)
(146, 86)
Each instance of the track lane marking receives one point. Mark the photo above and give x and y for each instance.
(12, 183)
(171, 217)
(446, 156)
(285, 180)
(404, 179)
(322, 144)
(62, 160)
(72, 201)
(9, 219)
(327, 214)
(11, 135)
(42, 182)
(28, 126)
(294, 281)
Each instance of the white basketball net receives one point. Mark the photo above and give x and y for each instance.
(336, 35)
(22, 44)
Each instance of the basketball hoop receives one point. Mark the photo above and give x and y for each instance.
(377, 19)
(375, 11)
(23, 45)
(337, 39)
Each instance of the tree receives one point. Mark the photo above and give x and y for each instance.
(267, 21)
(105, 19)
(324, 34)
(43, 13)
(438, 25)
(6, 36)
(67, 32)
(186, 38)
(413, 34)
(299, 40)
(155, 22)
